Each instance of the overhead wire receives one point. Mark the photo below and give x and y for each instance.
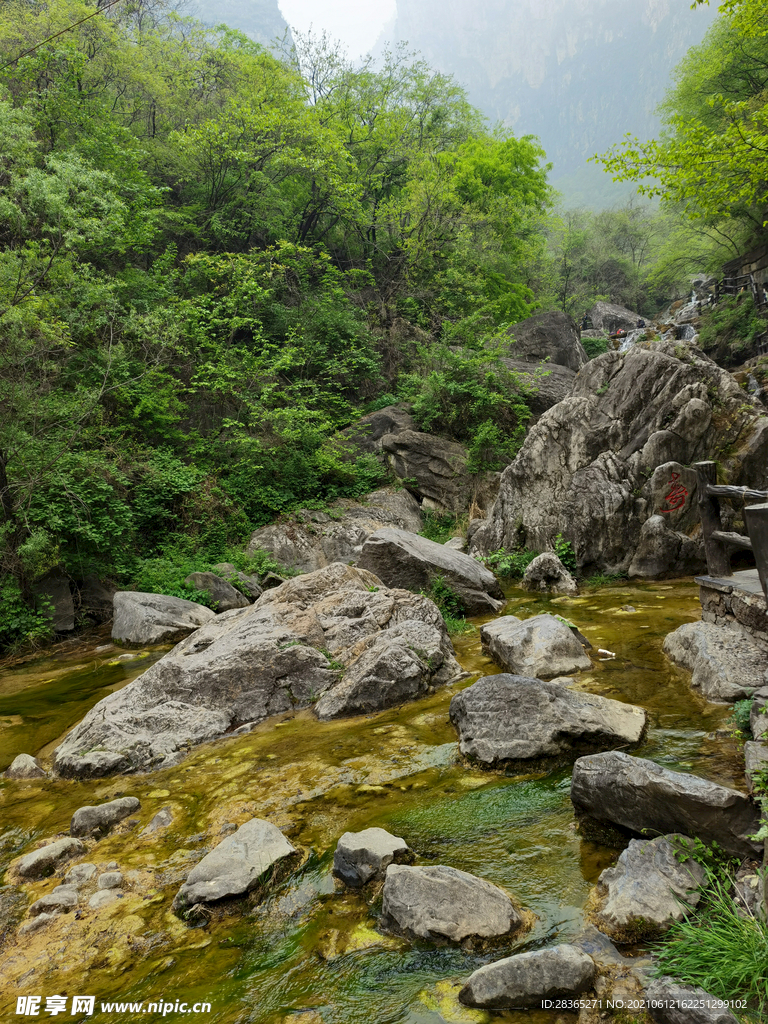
(55, 35)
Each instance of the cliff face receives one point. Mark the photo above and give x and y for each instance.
(577, 73)
(260, 19)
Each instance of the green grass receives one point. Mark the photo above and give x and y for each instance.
(439, 528)
(604, 579)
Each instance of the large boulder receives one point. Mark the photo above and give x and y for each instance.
(725, 664)
(96, 599)
(53, 596)
(155, 618)
(670, 1002)
(662, 551)
(443, 904)
(299, 640)
(640, 795)
(24, 766)
(546, 574)
(99, 818)
(601, 463)
(235, 866)
(653, 883)
(310, 540)
(435, 470)
(362, 857)
(542, 646)
(511, 718)
(44, 861)
(608, 317)
(403, 559)
(550, 383)
(223, 595)
(551, 336)
(367, 433)
(524, 981)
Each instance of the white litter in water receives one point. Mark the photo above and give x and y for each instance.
(608, 654)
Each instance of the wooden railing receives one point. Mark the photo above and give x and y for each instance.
(719, 542)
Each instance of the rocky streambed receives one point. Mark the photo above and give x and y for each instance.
(312, 951)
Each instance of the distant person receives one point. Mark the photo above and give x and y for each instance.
(640, 323)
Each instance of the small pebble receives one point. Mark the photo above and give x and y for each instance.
(110, 880)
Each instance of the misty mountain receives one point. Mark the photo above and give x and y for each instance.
(260, 19)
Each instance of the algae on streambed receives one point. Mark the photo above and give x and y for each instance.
(310, 952)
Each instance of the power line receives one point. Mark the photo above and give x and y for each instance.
(55, 35)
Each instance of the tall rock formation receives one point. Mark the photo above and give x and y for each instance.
(259, 19)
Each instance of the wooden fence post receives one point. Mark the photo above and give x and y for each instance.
(756, 518)
(718, 560)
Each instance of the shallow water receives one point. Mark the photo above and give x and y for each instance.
(310, 953)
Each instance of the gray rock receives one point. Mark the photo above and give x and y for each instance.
(24, 766)
(755, 760)
(651, 885)
(223, 595)
(443, 904)
(361, 857)
(53, 597)
(155, 618)
(44, 861)
(638, 794)
(550, 383)
(162, 819)
(79, 874)
(510, 718)
(663, 552)
(62, 899)
(456, 544)
(541, 646)
(99, 819)
(236, 865)
(547, 575)
(250, 585)
(725, 664)
(435, 470)
(367, 433)
(599, 464)
(669, 1002)
(110, 880)
(298, 641)
(103, 897)
(35, 924)
(523, 981)
(310, 540)
(403, 559)
(758, 714)
(96, 599)
(608, 317)
(551, 336)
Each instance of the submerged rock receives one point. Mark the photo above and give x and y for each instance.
(223, 595)
(299, 641)
(725, 664)
(547, 575)
(235, 866)
(362, 857)
(670, 1002)
(541, 646)
(155, 618)
(62, 899)
(509, 718)
(638, 795)
(100, 818)
(443, 904)
(24, 766)
(162, 819)
(44, 861)
(403, 559)
(653, 883)
(523, 981)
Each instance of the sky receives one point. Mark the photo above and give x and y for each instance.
(357, 23)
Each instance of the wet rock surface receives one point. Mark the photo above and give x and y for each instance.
(362, 857)
(725, 664)
(100, 818)
(509, 718)
(155, 618)
(541, 647)
(443, 904)
(524, 980)
(638, 794)
(403, 559)
(45, 860)
(547, 575)
(673, 1003)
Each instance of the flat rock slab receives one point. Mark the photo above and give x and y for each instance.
(523, 981)
(44, 861)
(24, 766)
(651, 885)
(511, 718)
(639, 794)
(403, 559)
(100, 818)
(362, 857)
(443, 904)
(669, 1002)
(725, 664)
(155, 618)
(236, 865)
(541, 647)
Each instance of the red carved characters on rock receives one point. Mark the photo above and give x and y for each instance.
(676, 497)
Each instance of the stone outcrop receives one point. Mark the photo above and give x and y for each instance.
(523, 981)
(670, 1002)
(366, 435)
(62, 899)
(44, 861)
(24, 766)
(247, 584)
(297, 642)
(662, 552)
(651, 885)
(96, 599)
(235, 866)
(53, 596)
(310, 540)
(443, 904)
(725, 664)
(99, 819)
(550, 383)
(155, 618)
(547, 575)
(608, 317)
(403, 559)
(542, 646)
(362, 857)
(510, 718)
(600, 464)
(552, 337)
(223, 595)
(758, 714)
(638, 794)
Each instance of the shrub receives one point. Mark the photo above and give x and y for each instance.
(595, 346)
(20, 624)
(509, 564)
(740, 716)
(438, 527)
(564, 551)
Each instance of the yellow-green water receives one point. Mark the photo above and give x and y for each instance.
(310, 952)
